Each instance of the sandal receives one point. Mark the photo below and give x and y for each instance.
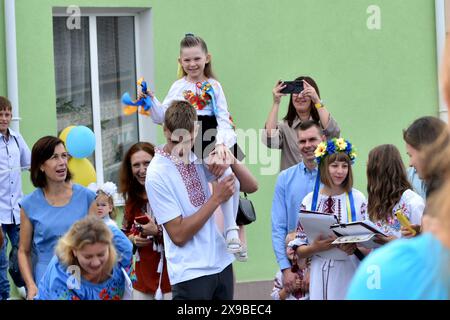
(242, 256)
(233, 244)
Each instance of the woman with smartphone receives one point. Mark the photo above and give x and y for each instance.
(304, 104)
(141, 227)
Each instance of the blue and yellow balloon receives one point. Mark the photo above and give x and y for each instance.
(82, 170)
(80, 143)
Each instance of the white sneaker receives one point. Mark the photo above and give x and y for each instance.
(22, 292)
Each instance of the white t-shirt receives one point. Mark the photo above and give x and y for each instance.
(176, 189)
(225, 133)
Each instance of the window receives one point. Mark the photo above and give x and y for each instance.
(94, 65)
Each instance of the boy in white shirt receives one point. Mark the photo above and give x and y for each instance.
(199, 265)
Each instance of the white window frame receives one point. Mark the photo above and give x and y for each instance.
(144, 68)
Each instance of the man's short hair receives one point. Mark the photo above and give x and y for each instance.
(305, 125)
(180, 115)
(5, 104)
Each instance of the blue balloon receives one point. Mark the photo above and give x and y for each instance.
(80, 142)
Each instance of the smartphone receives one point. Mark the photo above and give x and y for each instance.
(142, 219)
(292, 87)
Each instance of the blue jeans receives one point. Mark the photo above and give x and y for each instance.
(10, 231)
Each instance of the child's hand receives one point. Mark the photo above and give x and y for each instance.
(289, 279)
(142, 95)
(221, 152)
(216, 164)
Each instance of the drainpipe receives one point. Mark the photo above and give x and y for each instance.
(440, 42)
(11, 61)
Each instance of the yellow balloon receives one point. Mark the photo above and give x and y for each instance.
(82, 170)
(65, 132)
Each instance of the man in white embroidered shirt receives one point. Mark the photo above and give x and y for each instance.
(199, 266)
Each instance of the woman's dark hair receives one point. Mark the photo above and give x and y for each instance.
(43, 150)
(386, 181)
(423, 132)
(292, 113)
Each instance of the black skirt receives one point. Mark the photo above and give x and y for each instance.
(205, 141)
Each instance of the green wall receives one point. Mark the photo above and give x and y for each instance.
(373, 82)
(3, 88)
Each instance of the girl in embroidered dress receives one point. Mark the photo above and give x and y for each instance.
(298, 266)
(198, 86)
(106, 211)
(388, 191)
(331, 274)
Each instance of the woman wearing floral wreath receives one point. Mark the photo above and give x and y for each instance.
(330, 278)
(151, 268)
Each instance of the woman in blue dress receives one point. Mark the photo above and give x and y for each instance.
(50, 210)
(85, 266)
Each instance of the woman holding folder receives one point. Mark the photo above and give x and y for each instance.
(332, 269)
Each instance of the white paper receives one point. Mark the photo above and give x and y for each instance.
(316, 225)
(357, 228)
(365, 240)
(356, 232)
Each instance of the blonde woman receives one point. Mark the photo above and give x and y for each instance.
(85, 266)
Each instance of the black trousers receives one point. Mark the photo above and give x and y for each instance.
(217, 286)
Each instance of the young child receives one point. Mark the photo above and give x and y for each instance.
(106, 211)
(330, 277)
(216, 132)
(300, 266)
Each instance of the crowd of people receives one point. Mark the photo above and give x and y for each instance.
(179, 237)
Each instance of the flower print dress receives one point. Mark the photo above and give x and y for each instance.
(412, 205)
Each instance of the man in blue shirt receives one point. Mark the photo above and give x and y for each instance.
(14, 157)
(293, 184)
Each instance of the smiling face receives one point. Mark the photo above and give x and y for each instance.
(308, 140)
(139, 163)
(55, 168)
(301, 102)
(92, 259)
(193, 61)
(338, 171)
